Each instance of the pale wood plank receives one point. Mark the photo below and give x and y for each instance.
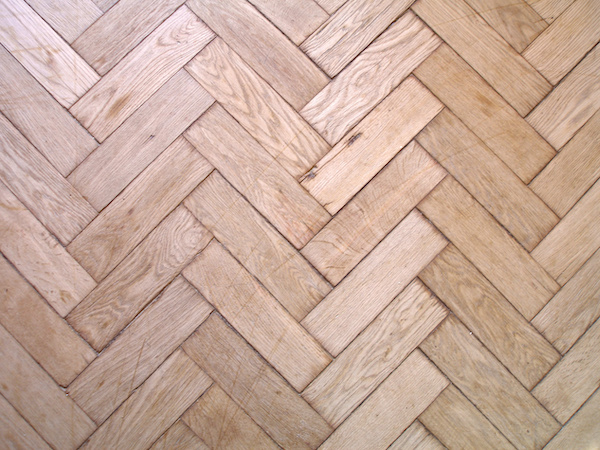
(550, 9)
(330, 5)
(257, 316)
(15, 432)
(371, 144)
(139, 208)
(375, 353)
(43, 53)
(144, 136)
(69, 18)
(474, 40)
(139, 350)
(488, 179)
(39, 399)
(40, 257)
(40, 186)
(221, 423)
(349, 31)
(489, 247)
(485, 112)
(572, 103)
(139, 277)
(396, 403)
(263, 47)
(374, 283)
(257, 176)
(416, 437)
(560, 47)
(373, 213)
(154, 407)
(489, 386)
(495, 322)
(370, 77)
(141, 73)
(179, 437)
(257, 245)
(255, 386)
(105, 5)
(258, 108)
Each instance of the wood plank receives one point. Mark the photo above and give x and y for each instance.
(15, 432)
(221, 423)
(571, 104)
(375, 353)
(105, 5)
(550, 9)
(283, 66)
(454, 420)
(573, 309)
(396, 403)
(154, 407)
(69, 18)
(574, 240)
(39, 257)
(257, 316)
(569, 384)
(373, 213)
(257, 245)
(485, 112)
(475, 41)
(258, 108)
(255, 386)
(370, 77)
(374, 283)
(489, 247)
(504, 401)
(120, 30)
(349, 31)
(43, 53)
(139, 350)
(144, 136)
(371, 144)
(51, 129)
(141, 73)
(131, 286)
(257, 176)
(28, 174)
(37, 327)
(495, 322)
(488, 179)
(40, 401)
(330, 5)
(560, 47)
(416, 437)
(139, 208)
(179, 437)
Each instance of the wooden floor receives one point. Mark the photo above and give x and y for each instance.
(258, 224)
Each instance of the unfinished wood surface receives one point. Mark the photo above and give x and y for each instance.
(330, 5)
(416, 437)
(550, 10)
(15, 432)
(179, 437)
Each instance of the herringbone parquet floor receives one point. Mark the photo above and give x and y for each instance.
(336, 224)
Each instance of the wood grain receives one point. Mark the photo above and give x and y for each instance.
(15, 432)
(330, 5)
(550, 9)
(179, 437)
(69, 18)
(416, 437)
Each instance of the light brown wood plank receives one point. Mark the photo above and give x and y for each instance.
(395, 404)
(475, 41)
(15, 432)
(374, 283)
(258, 108)
(255, 386)
(416, 437)
(550, 9)
(370, 77)
(503, 400)
(485, 112)
(69, 18)
(139, 350)
(131, 286)
(257, 246)
(105, 5)
(263, 47)
(154, 407)
(221, 423)
(179, 437)
(374, 212)
(330, 5)
(376, 353)
(39, 257)
(139, 208)
(141, 73)
(371, 144)
(489, 247)
(257, 316)
(257, 176)
(560, 47)
(488, 179)
(349, 31)
(39, 399)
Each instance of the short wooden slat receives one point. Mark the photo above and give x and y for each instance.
(179, 437)
(550, 10)
(15, 432)
(416, 437)
(330, 5)
(69, 18)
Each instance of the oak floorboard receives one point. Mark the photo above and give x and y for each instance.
(416, 437)
(69, 18)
